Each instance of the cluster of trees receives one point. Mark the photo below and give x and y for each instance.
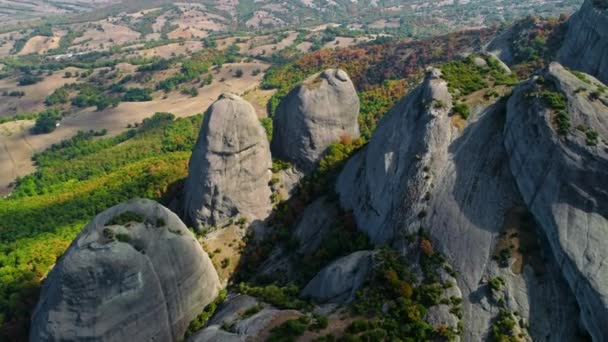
(47, 121)
(75, 181)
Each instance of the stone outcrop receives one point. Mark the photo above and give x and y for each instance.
(135, 273)
(585, 47)
(420, 172)
(563, 182)
(318, 112)
(339, 281)
(230, 167)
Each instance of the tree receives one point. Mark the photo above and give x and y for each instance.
(238, 73)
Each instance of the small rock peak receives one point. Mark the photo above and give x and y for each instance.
(230, 96)
(433, 73)
(231, 154)
(318, 112)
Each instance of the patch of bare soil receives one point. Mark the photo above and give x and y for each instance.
(225, 247)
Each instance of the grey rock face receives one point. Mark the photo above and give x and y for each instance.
(315, 114)
(316, 222)
(563, 182)
(585, 47)
(419, 171)
(339, 281)
(230, 167)
(389, 173)
(137, 281)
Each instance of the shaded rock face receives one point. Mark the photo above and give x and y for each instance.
(420, 172)
(378, 181)
(563, 183)
(318, 112)
(126, 280)
(585, 47)
(230, 167)
(339, 281)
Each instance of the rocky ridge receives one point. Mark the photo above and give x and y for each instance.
(585, 47)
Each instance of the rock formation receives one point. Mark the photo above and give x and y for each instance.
(420, 172)
(229, 168)
(135, 273)
(318, 112)
(563, 182)
(339, 281)
(585, 47)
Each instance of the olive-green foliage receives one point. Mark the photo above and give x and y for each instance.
(199, 321)
(502, 327)
(126, 217)
(496, 284)
(59, 96)
(463, 77)
(75, 181)
(392, 286)
(137, 95)
(281, 297)
(462, 109)
(290, 330)
(558, 102)
(46, 121)
(267, 124)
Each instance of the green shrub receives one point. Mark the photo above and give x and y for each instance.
(496, 284)
(592, 137)
(26, 80)
(137, 95)
(47, 121)
(462, 110)
(126, 217)
(281, 297)
(289, 330)
(199, 321)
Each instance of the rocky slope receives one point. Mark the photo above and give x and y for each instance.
(585, 47)
(230, 167)
(134, 273)
(318, 112)
(419, 172)
(562, 180)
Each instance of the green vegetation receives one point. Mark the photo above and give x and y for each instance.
(75, 181)
(465, 78)
(28, 79)
(503, 327)
(199, 321)
(462, 110)
(126, 217)
(267, 124)
(392, 286)
(289, 330)
(59, 96)
(559, 103)
(46, 121)
(137, 95)
(20, 116)
(281, 297)
(496, 284)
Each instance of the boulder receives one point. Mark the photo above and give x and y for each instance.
(230, 166)
(317, 221)
(339, 281)
(585, 47)
(135, 273)
(318, 112)
(562, 180)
